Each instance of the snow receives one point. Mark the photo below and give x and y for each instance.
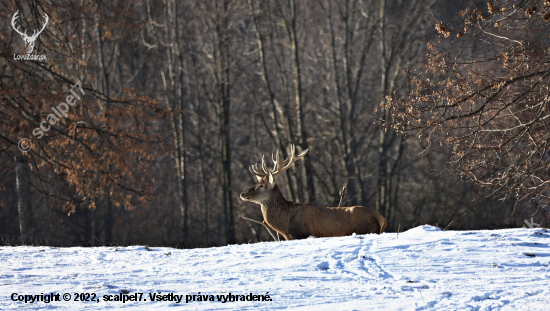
(424, 268)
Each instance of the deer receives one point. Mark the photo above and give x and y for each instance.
(302, 220)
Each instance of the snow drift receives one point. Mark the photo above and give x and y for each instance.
(424, 268)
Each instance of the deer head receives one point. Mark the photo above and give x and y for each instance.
(29, 40)
(264, 190)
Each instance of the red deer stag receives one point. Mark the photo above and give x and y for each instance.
(300, 220)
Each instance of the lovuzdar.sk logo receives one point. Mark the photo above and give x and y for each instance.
(29, 40)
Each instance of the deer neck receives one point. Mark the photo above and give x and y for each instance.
(276, 211)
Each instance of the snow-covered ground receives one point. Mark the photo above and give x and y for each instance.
(422, 269)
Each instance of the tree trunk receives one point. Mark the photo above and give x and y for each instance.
(93, 237)
(226, 173)
(23, 184)
(309, 194)
(381, 201)
(108, 221)
(224, 73)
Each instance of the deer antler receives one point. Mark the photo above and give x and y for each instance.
(288, 162)
(24, 34)
(15, 16)
(278, 167)
(43, 27)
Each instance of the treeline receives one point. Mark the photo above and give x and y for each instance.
(183, 96)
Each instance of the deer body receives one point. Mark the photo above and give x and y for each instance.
(301, 220)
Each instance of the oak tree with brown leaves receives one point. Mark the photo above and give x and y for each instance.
(485, 95)
(89, 146)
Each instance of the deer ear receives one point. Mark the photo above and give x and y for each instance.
(271, 181)
(258, 178)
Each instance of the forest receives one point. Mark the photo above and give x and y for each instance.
(137, 121)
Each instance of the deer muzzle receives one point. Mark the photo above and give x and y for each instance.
(244, 196)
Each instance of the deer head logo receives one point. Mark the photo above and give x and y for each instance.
(29, 40)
